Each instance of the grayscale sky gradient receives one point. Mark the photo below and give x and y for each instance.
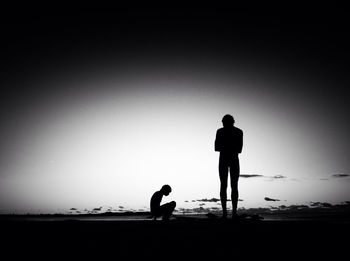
(103, 110)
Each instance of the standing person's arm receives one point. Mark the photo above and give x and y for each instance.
(217, 141)
(240, 141)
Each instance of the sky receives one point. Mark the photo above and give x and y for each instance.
(103, 107)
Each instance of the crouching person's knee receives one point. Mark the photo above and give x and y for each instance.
(173, 204)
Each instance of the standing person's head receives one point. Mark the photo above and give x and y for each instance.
(228, 120)
(166, 189)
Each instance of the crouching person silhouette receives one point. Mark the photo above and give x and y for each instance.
(165, 210)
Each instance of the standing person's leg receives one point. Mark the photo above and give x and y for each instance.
(234, 176)
(223, 173)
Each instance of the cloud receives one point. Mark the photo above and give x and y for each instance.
(250, 176)
(208, 200)
(200, 209)
(214, 200)
(278, 177)
(340, 175)
(295, 207)
(261, 176)
(271, 199)
(73, 209)
(321, 204)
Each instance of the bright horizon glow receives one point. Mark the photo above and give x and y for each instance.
(121, 139)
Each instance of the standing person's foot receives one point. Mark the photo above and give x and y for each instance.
(224, 216)
(235, 216)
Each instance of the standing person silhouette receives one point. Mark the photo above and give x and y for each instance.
(229, 142)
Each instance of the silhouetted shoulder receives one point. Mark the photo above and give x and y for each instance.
(223, 129)
(220, 130)
(238, 130)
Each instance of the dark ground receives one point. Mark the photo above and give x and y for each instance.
(180, 239)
